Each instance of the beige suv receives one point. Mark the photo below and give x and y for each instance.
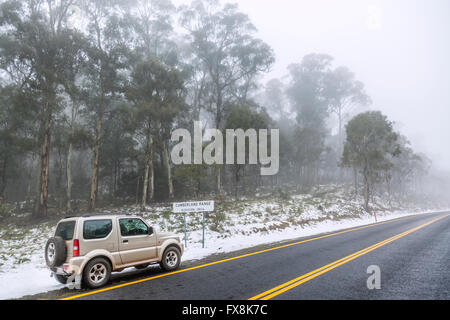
(93, 246)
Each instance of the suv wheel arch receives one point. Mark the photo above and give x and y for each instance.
(165, 245)
(108, 259)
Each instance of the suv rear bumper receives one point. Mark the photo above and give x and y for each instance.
(72, 266)
(60, 271)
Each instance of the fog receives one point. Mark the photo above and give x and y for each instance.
(399, 49)
(65, 126)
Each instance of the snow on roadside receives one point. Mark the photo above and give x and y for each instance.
(27, 279)
(22, 264)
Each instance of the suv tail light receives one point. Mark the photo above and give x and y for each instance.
(76, 248)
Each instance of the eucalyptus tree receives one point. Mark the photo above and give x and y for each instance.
(152, 22)
(108, 32)
(36, 41)
(222, 39)
(244, 118)
(154, 41)
(156, 92)
(119, 152)
(371, 145)
(16, 133)
(274, 99)
(74, 135)
(307, 94)
(407, 170)
(345, 94)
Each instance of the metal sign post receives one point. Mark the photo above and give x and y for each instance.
(185, 234)
(203, 231)
(194, 207)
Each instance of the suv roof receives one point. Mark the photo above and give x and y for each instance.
(92, 215)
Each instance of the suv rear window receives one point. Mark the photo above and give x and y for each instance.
(97, 229)
(65, 230)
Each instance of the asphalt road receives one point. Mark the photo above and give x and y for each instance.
(413, 256)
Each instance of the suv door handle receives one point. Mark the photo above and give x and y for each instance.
(125, 241)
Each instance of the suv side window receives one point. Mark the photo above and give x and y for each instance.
(133, 227)
(97, 229)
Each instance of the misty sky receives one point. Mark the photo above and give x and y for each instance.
(399, 48)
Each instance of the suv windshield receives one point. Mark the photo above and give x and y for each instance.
(65, 230)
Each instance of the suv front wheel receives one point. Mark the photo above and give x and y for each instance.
(97, 273)
(171, 259)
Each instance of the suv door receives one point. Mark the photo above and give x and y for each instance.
(135, 241)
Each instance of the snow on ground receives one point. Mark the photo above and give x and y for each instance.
(233, 226)
(22, 264)
(28, 279)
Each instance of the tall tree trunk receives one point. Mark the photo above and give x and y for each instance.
(4, 177)
(38, 182)
(199, 185)
(29, 177)
(96, 158)
(355, 174)
(147, 171)
(95, 166)
(341, 143)
(43, 173)
(366, 191)
(388, 186)
(219, 116)
(151, 186)
(236, 180)
(69, 178)
(69, 159)
(137, 188)
(218, 181)
(145, 185)
(169, 169)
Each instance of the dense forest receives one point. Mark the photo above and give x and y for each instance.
(92, 90)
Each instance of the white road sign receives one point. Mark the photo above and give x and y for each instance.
(199, 206)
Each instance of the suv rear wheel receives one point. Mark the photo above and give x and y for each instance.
(97, 273)
(171, 259)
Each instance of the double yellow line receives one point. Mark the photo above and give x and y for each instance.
(313, 274)
(228, 260)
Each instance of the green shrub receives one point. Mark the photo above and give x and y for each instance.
(282, 194)
(5, 211)
(217, 221)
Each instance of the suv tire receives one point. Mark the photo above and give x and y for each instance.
(171, 259)
(55, 252)
(97, 273)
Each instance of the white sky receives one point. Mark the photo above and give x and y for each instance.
(399, 48)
